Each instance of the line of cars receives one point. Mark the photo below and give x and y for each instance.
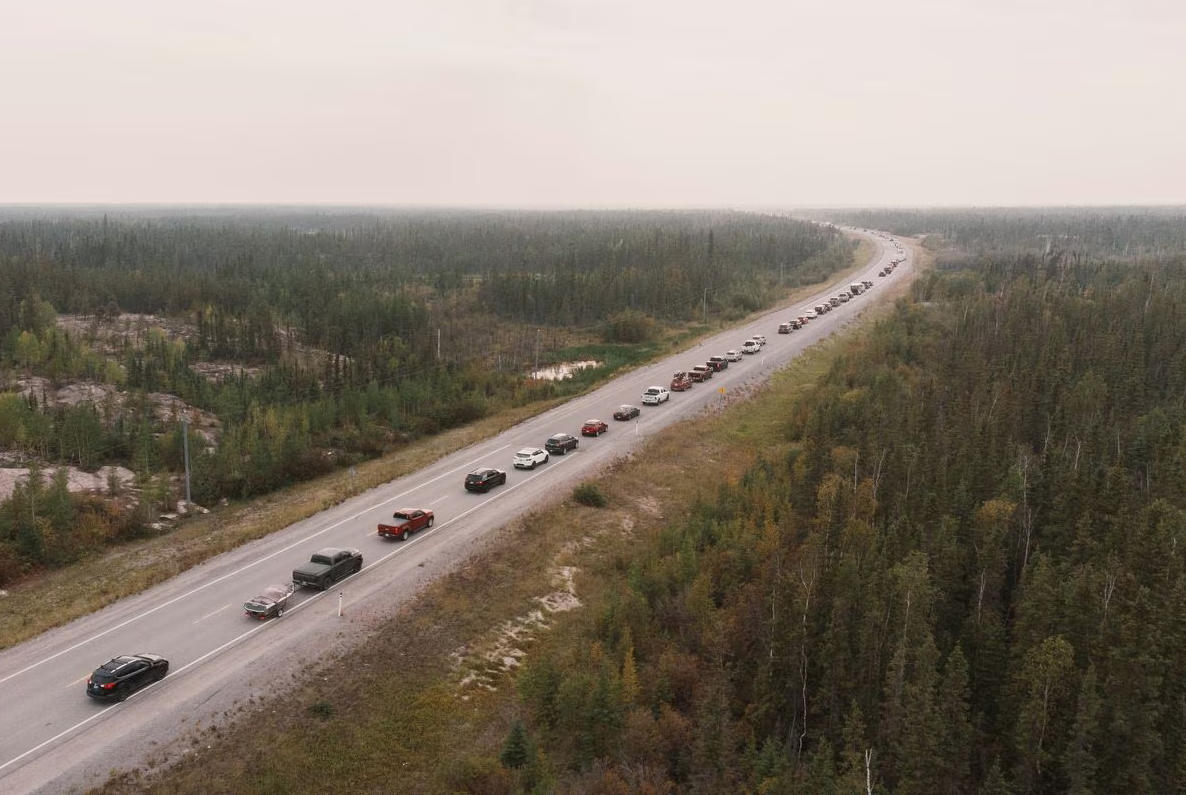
(824, 307)
(483, 479)
(119, 677)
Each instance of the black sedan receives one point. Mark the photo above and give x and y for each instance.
(271, 603)
(627, 412)
(121, 676)
(484, 479)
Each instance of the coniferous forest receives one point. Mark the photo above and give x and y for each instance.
(315, 339)
(959, 570)
(968, 575)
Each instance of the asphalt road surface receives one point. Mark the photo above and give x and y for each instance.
(53, 738)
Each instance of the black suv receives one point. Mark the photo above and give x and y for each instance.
(119, 677)
(484, 479)
(561, 443)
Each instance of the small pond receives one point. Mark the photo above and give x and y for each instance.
(559, 372)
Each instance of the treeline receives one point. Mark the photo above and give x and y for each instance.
(1099, 233)
(349, 332)
(346, 281)
(968, 576)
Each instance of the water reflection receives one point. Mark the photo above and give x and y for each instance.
(563, 370)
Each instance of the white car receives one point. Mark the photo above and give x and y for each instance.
(655, 395)
(751, 346)
(733, 355)
(530, 458)
(759, 338)
(811, 314)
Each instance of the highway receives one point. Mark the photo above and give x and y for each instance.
(53, 738)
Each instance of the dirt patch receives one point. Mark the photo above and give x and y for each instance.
(503, 651)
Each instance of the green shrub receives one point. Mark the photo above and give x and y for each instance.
(322, 709)
(590, 495)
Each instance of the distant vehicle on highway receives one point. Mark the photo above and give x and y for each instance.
(119, 677)
(271, 602)
(733, 355)
(484, 479)
(681, 381)
(717, 363)
(530, 458)
(406, 521)
(594, 428)
(626, 412)
(561, 443)
(751, 346)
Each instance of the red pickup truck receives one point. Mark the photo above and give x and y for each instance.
(406, 521)
(680, 381)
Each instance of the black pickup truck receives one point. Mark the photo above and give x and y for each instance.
(328, 566)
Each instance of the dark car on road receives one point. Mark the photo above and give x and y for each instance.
(271, 602)
(561, 443)
(484, 479)
(627, 412)
(121, 676)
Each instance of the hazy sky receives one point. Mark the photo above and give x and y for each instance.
(594, 102)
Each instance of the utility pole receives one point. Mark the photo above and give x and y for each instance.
(704, 307)
(438, 345)
(185, 445)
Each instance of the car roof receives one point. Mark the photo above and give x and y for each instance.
(560, 436)
(529, 451)
(117, 663)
